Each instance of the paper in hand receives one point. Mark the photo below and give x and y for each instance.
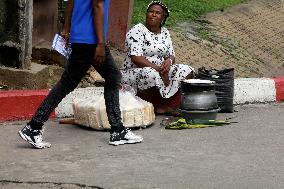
(59, 44)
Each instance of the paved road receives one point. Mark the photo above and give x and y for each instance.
(247, 154)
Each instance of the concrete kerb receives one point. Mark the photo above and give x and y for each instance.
(17, 105)
(254, 90)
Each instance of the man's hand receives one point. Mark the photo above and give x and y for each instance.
(65, 35)
(99, 58)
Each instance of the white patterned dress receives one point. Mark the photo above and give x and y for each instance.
(154, 47)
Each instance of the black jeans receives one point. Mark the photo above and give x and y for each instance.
(81, 59)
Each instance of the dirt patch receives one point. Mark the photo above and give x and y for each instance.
(248, 37)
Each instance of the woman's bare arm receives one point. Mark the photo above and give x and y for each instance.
(141, 62)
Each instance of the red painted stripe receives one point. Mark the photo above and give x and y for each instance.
(20, 104)
(279, 86)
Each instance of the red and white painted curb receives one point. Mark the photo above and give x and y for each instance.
(258, 90)
(21, 104)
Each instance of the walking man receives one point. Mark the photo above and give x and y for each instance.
(86, 21)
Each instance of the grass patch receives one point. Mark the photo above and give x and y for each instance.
(203, 34)
(183, 10)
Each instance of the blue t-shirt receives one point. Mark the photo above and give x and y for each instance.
(82, 22)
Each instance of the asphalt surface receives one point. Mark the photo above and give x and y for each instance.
(247, 154)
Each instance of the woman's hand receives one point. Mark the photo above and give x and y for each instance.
(164, 71)
(100, 54)
(165, 67)
(165, 78)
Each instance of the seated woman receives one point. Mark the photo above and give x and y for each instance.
(149, 64)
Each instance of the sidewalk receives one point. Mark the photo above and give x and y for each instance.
(247, 154)
(19, 105)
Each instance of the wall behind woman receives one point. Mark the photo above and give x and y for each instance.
(120, 14)
(45, 21)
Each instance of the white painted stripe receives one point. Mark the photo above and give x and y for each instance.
(254, 90)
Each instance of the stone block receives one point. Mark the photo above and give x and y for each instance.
(34, 78)
(16, 33)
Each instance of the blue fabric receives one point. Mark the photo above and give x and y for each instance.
(82, 22)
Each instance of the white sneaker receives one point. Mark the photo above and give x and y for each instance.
(126, 136)
(34, 137)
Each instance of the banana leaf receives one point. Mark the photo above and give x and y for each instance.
(195, 123)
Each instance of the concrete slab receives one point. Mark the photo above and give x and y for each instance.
(35, 77)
